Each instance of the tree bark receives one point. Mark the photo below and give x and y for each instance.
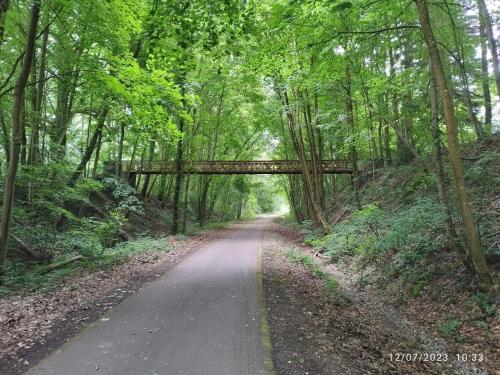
(33, 156)
(486, 19)
(404, 154)
(460, 60)
(482, 271)
(353, 150)
(91, 146)
(453, 239)
(4, 7)
(5, 136)
(97, 154)
(185, 204)
(485, 77)
(18, 92)
(152, 145)
(178, 176)
(118, 167)
(297, 141)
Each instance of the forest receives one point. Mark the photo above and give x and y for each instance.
(407, 91)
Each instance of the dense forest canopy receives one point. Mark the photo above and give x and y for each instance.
(85, 85)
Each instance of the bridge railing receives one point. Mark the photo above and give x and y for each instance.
(234, 167)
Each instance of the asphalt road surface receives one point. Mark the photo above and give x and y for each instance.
(201, 318)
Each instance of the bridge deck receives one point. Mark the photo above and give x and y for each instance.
(235, 167)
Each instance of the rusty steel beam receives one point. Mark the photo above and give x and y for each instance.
(235, 167)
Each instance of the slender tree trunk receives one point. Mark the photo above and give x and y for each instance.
(485, 77)
(91, 146)
(480, 265)
(402, 143)
(460, 59)
(387, 134)
(178, 176)
(131, 176)
(408, 150)
(118, 167)
(5, 136)
(486, 19)
(152, 145)
(202, 206)
(22, 132)
(380, 138)
(151, 186)
(33, 157)
(315, 170)
(163, 178)
(18, 92)
(297, 141)
(453, 239)
(353, 150)
(369, 111)
(138, 182)
(97, 154)
(4, 7)
(185, 204)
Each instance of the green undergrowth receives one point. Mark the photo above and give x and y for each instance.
(397, 240)
(331, 284)
(22, 277)
(450, 327)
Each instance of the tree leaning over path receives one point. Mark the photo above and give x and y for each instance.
(15, 148)
(481, 268)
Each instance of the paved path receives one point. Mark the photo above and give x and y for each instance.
(201, 318)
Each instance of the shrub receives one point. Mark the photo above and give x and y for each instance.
(80, 242)
(485, 303)
(124, 194)
(450, 327)
(359, 234)
(416, 230)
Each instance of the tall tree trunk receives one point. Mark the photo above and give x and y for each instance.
(453, 239)
(4, 7)
(91, 146)
(97, 154)
(131, 176)
(350, 123)
(369, 111)
(387, 134)
(485, 77)
(408, 150)
(297, 141)
(486, 19)
(152, 145)
(202, 201)
(22, 131)
(118, 167)
(313, 151)
(138, 182)
(5, 136)
(402, 143)
(480, 265)
(33, 157)
(460, 59)
(178, 176)
(185, 204)
(17, 102)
